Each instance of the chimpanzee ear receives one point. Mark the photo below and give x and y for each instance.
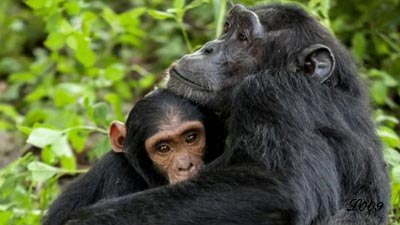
(317, 61)
(117, 135)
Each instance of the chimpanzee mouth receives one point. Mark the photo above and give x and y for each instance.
(174, 73)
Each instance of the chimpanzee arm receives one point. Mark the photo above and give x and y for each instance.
(110, 177)
(238, 194)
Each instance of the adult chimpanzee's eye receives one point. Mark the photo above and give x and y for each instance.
(227, 25)
(192, 137)
(163, 148)
(242, 36)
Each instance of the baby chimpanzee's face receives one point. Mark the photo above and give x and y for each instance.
(177, 149)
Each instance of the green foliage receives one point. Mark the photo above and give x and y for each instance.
(68, 68)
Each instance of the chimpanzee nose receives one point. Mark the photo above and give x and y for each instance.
(186, 166)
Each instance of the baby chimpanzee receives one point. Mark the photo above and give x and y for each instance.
(167, 139)
(174, 137)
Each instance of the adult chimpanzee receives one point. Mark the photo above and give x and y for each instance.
(166, 140)
(301, 145)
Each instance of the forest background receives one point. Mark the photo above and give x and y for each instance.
(70, 67)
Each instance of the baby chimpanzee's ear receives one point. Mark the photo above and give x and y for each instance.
(117, 135)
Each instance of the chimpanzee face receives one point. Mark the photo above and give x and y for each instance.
(177, 149)
(167, 139)
(253, 41)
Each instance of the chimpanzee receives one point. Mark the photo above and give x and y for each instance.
(301, 147)
(166, 140)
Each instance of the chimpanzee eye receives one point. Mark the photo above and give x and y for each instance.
(192, 137)
(227, 25)
(163, 148)
(242, 36)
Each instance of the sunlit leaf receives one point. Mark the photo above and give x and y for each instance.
(68, 163)
(159, 15)
(392, 156)
(396, 174)
(72, 7)
(61, 147)
(48, 156)
(78, 139)
(388, 136)
(41, 172)
(115, 72)
(36, 4)
(42, 137)
(178, 4)
(379, 92)
(55, 41)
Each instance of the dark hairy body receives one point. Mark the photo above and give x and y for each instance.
(182, 130)
(301, 145)
(112, 176)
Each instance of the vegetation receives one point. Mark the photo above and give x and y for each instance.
(70, 67)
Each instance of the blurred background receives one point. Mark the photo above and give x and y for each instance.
(70, 67)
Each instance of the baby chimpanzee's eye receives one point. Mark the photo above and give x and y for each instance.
(163, 148)
(192, 137)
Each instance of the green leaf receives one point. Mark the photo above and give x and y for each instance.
(116, 103)
(81, 46)
(178, 4)
(63, 98)
(85, 55)
(388, 120)
(55, 41)
(67, 93)
(111, 18)
(100, 112)
(36, 4)
(159, 15)
(61, 147)
(89, 19)
(6, 216)
(42, 137)
(115, 72)
(359, 45)
(388, 136)
(392, 157)
(24, 129)
(387, 78)
(5, 125)
(41, 172)
(197, 3)
(9, 111)
(68, 163)
(35, 115)
(379, 92)
(22, 77)
(48, 156)
(72, 7)
(396, 174)
(102, 147)
(78, 139)
(37, 94)
(147, 81)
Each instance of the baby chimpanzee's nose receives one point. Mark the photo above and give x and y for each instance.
(185, 166)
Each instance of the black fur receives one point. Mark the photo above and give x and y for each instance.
(110, 177)
(298, 150)
(118, 174)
